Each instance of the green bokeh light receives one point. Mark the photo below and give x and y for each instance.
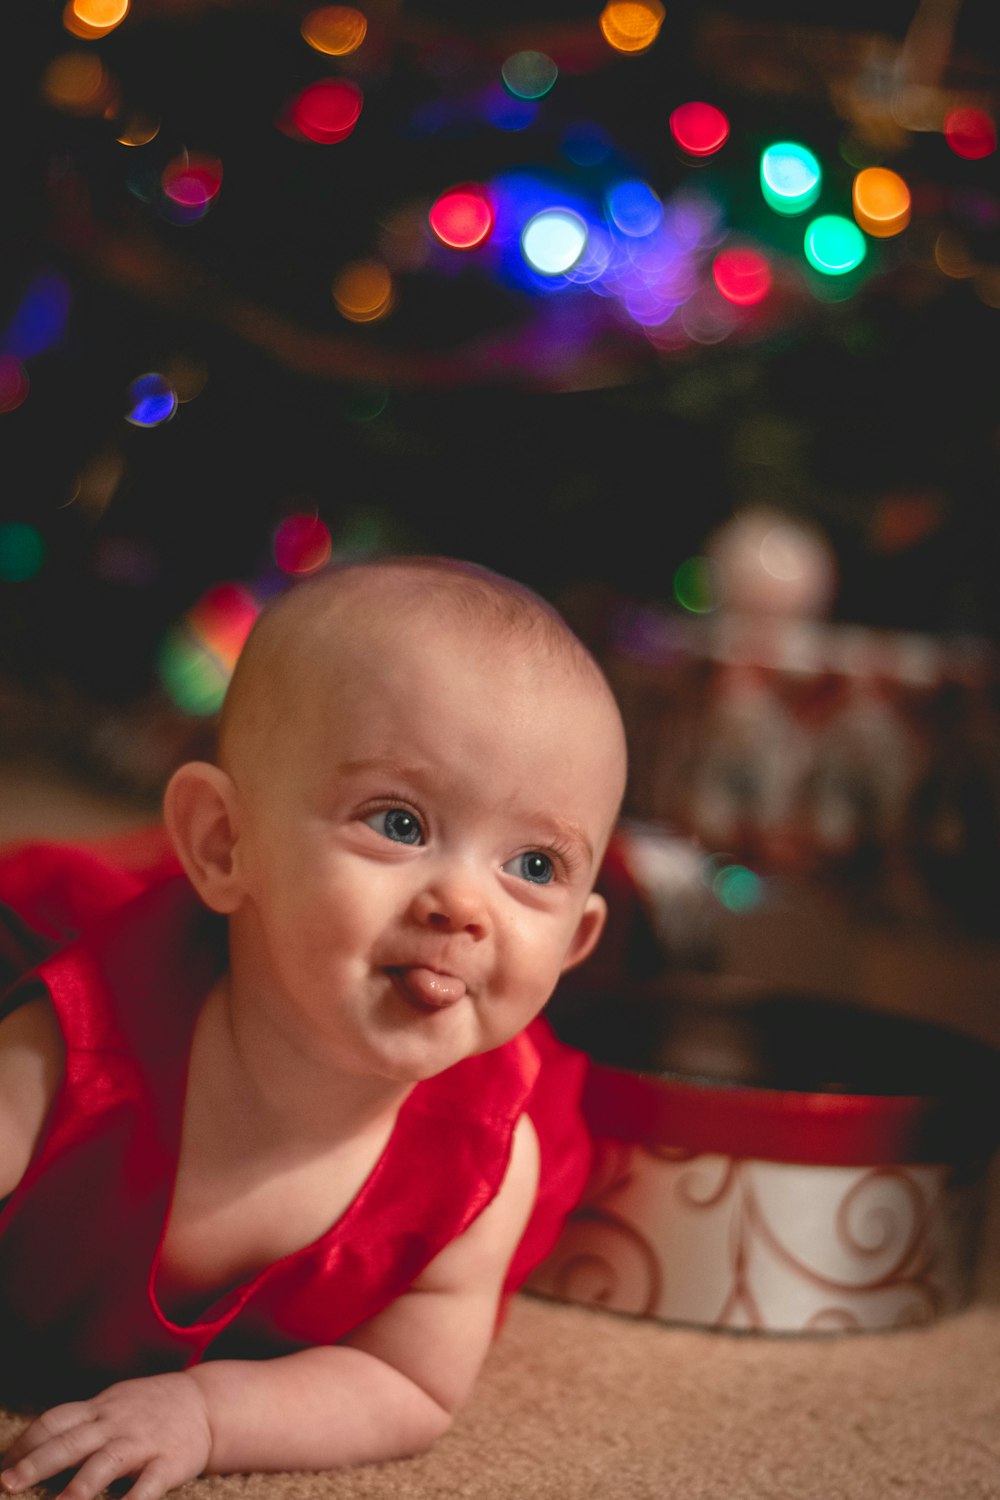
(192, 674)
(22, 552)
(834, 245)
(738, 888)
(694, 586)
(529, 74)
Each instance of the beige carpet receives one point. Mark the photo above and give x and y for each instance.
(583, 1405)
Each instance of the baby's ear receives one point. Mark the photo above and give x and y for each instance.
(199, 809)
(587, 933)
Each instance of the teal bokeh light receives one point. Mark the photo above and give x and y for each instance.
(834, 245)
(529, 74)
(22, 552)
(737, 888)
(790, 177)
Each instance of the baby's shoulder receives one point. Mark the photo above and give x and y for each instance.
(32, 1061)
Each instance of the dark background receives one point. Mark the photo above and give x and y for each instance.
(588, 473)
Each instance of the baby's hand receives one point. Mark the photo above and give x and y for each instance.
(156, 1429)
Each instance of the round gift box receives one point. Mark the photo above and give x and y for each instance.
(773, 1161)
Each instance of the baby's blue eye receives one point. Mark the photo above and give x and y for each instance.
(397, 824)
(533, 866)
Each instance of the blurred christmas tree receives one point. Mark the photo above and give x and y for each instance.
(553, 288)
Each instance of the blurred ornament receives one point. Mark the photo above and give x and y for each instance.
(772, 564)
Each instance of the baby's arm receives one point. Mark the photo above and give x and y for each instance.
(388, 1390)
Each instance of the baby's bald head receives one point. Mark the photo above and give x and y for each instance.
(325, 628)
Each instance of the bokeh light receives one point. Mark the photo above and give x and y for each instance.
(953, 256)
(507, 111)
(790, 177)
(742, 275)
(138, 130)
(40, 318)
(77, 83)
(22, 551)
(363, 291)
(197, 655)
(327, 112)
(462, 218)
(335, 30)
(971, 133)
(699, 129)
(91, 19)
(553, 241)
(14, 383)
(529, 74)
(881, 201)
(302, 544)
(631, 25)
(633, 207)
(586, 144)
(191, 183)
(834, 245)
(694, 586)
(151, 401)
(737, 888)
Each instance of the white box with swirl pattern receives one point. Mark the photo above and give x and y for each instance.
(852, 1200)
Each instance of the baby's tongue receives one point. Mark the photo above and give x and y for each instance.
(433, 988)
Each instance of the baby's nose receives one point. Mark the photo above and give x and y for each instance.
(453, 904)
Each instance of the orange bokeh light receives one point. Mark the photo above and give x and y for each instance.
(78, 83)
(90, 19)
(881, 201)
(334, 30)
(363, 291)
(631, 25)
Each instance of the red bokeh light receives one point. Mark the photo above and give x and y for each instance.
(699, 129)
(301, 544)
(223, 618)
(192, 181)
(462, 218)
(742, 276)
(13, 383)
(971, 133)
(327, 112)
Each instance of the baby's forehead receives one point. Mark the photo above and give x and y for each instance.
(320, 643)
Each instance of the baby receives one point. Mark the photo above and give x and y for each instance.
(268, 1195)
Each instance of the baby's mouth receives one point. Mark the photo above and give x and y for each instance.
(428, 987)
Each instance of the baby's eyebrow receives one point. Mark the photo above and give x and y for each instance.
(562, 830)
(385, 765)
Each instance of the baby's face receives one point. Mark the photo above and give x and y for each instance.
(417, 863)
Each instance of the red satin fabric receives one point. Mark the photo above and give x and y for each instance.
(79, 1238)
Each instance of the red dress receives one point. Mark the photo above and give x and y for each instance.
(80, 1237)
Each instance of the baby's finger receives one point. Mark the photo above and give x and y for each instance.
(154, 1481)
(99, 1470)
(52, 1456)
(57, 1419)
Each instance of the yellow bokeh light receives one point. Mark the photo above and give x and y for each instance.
(363, 291)
(953, 256)
(334, 29)
(138, 130)
(881, 202)
(90, 19)
(987, 286)
(76, 81)
(631, 25)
